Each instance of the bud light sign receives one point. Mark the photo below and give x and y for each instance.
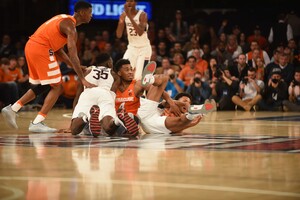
(112, 9)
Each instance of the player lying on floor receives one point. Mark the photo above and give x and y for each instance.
(150, 115)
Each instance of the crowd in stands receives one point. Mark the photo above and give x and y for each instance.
(239, 71)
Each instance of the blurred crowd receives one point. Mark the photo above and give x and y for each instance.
(240, 71)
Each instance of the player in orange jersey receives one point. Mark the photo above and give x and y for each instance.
(43, 49)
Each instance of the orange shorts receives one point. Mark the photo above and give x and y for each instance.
(42, 64)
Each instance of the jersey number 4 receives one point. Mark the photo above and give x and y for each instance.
(100, 74)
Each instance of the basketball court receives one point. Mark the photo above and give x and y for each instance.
(228, 155)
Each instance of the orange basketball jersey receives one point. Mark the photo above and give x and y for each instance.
(132, 103)
(49, 33)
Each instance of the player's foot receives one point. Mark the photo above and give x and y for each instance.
(40, 128)
(147, 75)
(9, 116)
(95, 127)
(207, 107)
(86, 130)
(129, 123)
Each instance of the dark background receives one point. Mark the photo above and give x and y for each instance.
(21, 17)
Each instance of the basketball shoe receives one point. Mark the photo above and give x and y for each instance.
(94, 124)
(9, 116)
(147, 75)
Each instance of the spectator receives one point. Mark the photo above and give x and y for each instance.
(179, 27)
(280, 33)
(174, 85)
(8, 90)
(293, 103)
(6, 47)
(187, 73)
(275, 92)
(199, 90)
(223, 89)
(249, 91)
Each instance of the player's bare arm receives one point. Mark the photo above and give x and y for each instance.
(67, 27)
(121, 25)
(63, 57)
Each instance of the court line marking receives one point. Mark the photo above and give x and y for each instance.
(17, 193)
(160, 184)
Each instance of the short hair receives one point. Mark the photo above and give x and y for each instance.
(4, 61)
(79, 5)
(192, 57)
(183, 94)
(252, 69)
(120, 63)
(12, 57)
(102, 58)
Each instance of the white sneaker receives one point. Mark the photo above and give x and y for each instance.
(9, 116)
(147, 75)
(203, 109)
(41, 128)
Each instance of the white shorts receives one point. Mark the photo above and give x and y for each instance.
(96, 96)
(150, 117)
(137, 57)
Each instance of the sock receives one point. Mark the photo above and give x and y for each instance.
(151, 79)
(189, 116)
(17, 106)
(39, 118)
(117, 121)
(85, 118)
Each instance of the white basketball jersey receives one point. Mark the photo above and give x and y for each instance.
(100, 76)
(133, 38)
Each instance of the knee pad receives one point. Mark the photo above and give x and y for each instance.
(40, 89)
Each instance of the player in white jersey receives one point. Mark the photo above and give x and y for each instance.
(139, 48)
(97, 105)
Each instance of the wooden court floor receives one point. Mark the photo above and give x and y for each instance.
(229, 155)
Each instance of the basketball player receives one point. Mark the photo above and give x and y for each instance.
(130, 90)
(180, 115)
(139, 48)
(96, 105)
(43, 49)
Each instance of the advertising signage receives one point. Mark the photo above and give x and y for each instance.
(111, 10)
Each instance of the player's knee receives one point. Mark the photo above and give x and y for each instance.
(40, 89)
(58, 88)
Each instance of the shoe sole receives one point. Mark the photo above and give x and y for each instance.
(95, 126)
(7, 116)
(206, 108)
(149, 69)
(130, 124)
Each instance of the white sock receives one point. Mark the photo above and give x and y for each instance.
(16, 106)
(38, 119)
(189, 116)
(152, 79)
(117, 121)
(85, 118)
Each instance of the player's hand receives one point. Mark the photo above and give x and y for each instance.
(175, 109)
(127, 9)
(87, 84)
(122, 17)
(196, 120)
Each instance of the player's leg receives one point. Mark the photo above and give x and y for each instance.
(77, 125)
(142, 60)
(47, 73)
(156, 90)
